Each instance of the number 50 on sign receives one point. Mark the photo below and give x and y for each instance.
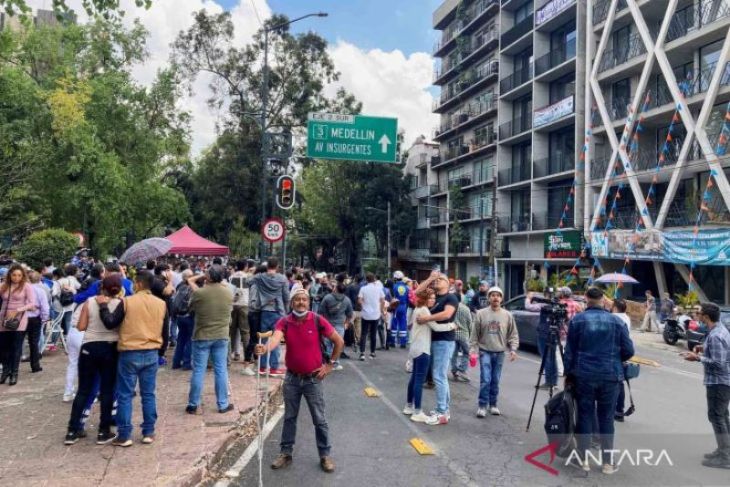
(273, 230)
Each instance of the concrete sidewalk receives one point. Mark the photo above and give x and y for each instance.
(33, 422)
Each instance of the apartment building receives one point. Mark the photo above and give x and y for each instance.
(679, 99)
(541, 132)
(460, 207)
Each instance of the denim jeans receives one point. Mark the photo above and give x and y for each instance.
(330, 345)
(133, 365)
(418, 375)
(596, 398)
(490, 365)
(369, 329)
(460, 363)
(268, 321)
(551, 369)
(218, 351)
(441, 352)
(294, 388)
(183, 350)
(621, 400)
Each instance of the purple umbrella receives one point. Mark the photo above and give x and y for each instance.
(145, 250)
(616, 277)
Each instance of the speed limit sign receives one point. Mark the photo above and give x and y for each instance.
(273, 230)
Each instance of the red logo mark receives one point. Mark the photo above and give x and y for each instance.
(552, 448)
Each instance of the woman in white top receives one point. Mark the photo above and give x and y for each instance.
(66, 284)
(619, 309)
(420, 353)
(98, 358)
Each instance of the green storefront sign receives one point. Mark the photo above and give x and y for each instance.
(351, 137)
(563, 245)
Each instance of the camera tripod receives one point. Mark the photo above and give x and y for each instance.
(552, 342)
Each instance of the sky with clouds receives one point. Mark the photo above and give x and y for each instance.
(381, 48)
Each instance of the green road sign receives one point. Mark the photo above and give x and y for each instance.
(351, 137)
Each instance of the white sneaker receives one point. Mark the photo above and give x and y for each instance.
(442, 418)
(338, 367)
(609, 469)
(68, 397)
(481, 412)
(494, 411)
(248, 371)
(419, 417)
(408, 410)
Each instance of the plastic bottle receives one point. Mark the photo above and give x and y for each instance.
(473, 360)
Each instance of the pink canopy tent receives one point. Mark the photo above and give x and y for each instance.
(185, 241)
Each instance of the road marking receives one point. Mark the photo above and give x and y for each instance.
(371, 392)
(421, 446)
(644, 361)
(250, 451)
(450, 464)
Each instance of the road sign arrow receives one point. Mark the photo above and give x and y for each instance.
(384, 143)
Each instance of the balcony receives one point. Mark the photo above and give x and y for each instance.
(517, 31)
(466, 20)
(424, 191)
(551, 221)
(471, 114)
(557, 164)
(619, 108)
(469, 80)
(695, 17)
(555, 58)
(552, 11)
(615, 57)
(515, 127)
(690, 87)
(475, 145)
(467, 52)
(514, 175)
(514, 224)
(460, 181)
(552, 113)
(600, 10)
(517, 78)
(453, 152)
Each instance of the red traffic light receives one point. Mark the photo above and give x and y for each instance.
(285, 192)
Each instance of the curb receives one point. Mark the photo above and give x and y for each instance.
(205, 467)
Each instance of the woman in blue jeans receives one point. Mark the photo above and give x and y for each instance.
(419, 353)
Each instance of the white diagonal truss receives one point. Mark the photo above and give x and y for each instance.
(695, 129)
(655, 53)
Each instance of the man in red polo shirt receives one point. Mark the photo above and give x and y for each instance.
(306, 367)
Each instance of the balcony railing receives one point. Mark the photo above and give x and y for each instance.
(514, 127)
(551, 113)
(471, 111)
(691, 86)
(695, 17)
(475, 144)
(517, 78)
(454, 152)
(424, 191)
(600, 10)
(514, 224)
(460, 181)
(551, 10)
(555, 164)
(555, 57)
(515, 174)
(465, 52)
(518, 30)
(550, 220)
(467, 17)
(469, 79)
(620, 108)
(614, 57)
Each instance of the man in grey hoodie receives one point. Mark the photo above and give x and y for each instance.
(273, 300)
(337, 309)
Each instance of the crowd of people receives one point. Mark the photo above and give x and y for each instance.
(117, 323)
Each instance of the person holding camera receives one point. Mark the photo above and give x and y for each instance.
(598, 343)
(306, 367)
(714, 354)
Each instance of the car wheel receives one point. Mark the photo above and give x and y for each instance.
(670, 338)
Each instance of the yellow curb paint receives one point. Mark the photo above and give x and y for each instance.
(371, 392)
(644, 361)
(421, 446)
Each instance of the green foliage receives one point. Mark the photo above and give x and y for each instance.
(105, 8)
(52, 243)
(688, 299)
(535, 285)
(474, 282)
(242, 242)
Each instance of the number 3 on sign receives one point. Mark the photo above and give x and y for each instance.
(273, 230)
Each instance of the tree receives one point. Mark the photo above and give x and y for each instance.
(227, 180)
(54, 243)
(105, 8)
(92, 145)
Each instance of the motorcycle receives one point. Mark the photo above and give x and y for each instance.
(677, 328)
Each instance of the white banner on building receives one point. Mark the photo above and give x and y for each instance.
(553, 112)
(550, 10)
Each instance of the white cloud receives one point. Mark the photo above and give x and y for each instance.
(388, 84)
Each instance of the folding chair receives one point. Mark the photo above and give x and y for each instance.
(52, 333)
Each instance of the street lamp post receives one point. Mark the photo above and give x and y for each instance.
(264, 108)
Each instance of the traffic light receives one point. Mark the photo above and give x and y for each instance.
(285, 192)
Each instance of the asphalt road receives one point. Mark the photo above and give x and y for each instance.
(370, 435)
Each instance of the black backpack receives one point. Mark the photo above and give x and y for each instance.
(560, 420)
(181, 301)
(66, 297)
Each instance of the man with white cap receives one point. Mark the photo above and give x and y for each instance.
(495, 331)
(399, 323)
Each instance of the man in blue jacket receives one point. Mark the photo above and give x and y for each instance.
(598, 344)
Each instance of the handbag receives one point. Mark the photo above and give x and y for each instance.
(13, 323)
(631, 370)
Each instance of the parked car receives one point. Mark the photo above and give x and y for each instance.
(696, 334)
(527, 321)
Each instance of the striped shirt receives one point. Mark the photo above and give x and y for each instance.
(716, 356)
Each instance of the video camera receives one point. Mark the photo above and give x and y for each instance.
(557, 312)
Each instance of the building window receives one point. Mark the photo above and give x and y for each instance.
(563, 40)
(521, 159)
(523, 60)
(523, 12)
(620, 98)
(483, 135)
(562, 88)
(557, 197)
(561, 146)
(621, 44)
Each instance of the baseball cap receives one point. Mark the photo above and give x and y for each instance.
(495, 289)
(483, 283)
(397, 275)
